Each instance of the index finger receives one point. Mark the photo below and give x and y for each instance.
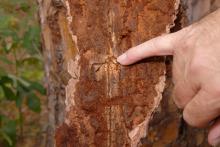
(159, 46)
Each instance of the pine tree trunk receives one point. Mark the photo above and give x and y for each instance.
(94, 101)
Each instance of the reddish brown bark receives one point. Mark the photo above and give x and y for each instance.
(106, 104)
(110, 105)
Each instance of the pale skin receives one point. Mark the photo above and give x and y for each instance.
(196, 70)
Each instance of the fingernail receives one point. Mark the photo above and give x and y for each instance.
(122, 58)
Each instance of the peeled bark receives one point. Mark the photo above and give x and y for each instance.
(94, 101)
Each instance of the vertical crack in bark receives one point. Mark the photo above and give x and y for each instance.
(112, 77)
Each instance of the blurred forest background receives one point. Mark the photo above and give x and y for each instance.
(23, 114)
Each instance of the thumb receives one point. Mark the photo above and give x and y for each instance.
(159, 46)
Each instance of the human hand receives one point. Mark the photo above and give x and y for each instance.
(196, 70)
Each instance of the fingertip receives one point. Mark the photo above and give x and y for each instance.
(122, 59)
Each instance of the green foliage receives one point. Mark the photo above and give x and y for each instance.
(21, 66)
(33, 102)
(7, 131)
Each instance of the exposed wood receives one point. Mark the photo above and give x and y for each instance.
(110, 105)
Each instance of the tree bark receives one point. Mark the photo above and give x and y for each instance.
(94, 101)
(199, 8)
